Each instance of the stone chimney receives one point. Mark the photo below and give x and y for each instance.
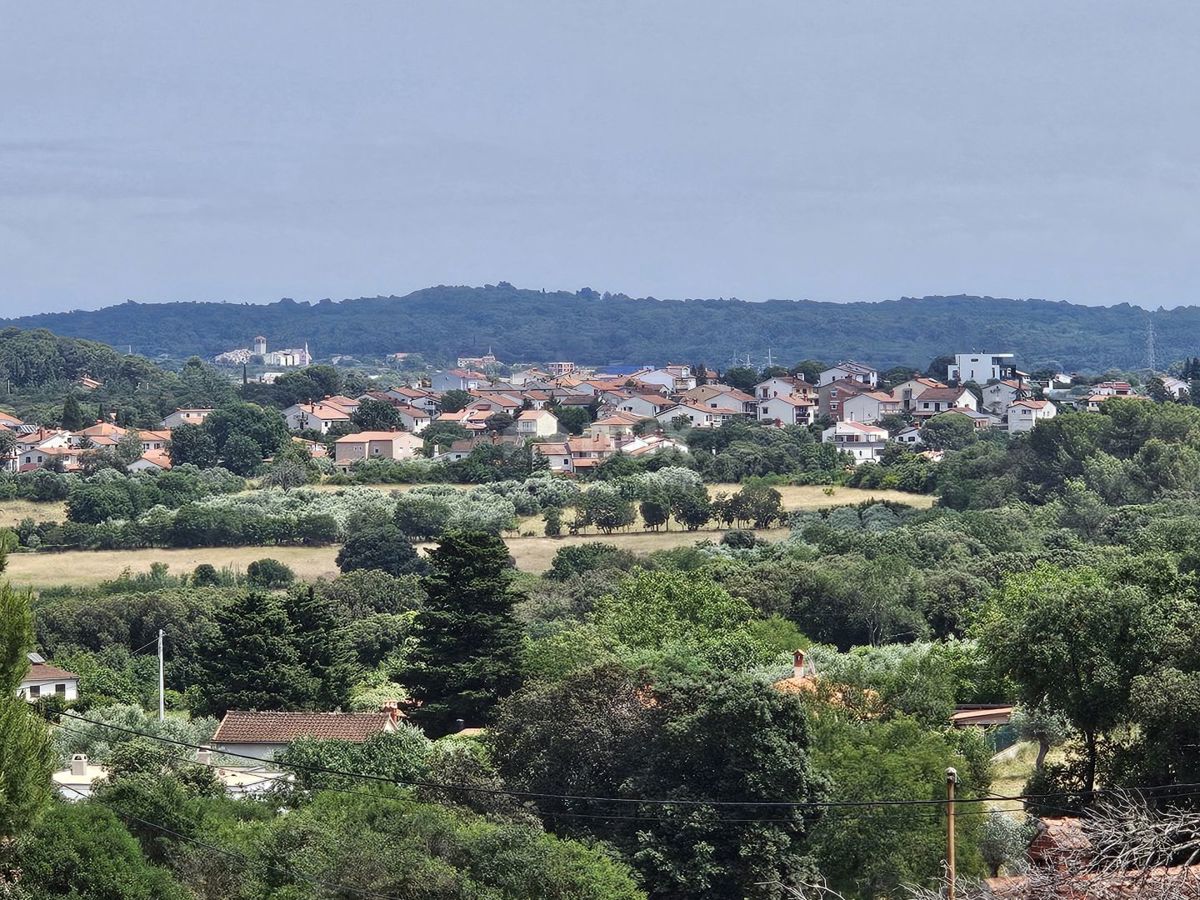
(79, 765)
(204, 756)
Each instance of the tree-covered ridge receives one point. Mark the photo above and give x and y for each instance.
(444, 322)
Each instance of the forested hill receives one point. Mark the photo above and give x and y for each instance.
(443, 322)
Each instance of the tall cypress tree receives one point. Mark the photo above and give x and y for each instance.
(468, 640)
(323, 645)
(26, 756)
(251, 661)
(72, 414)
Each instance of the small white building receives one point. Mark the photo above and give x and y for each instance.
(938, 400)
(45, 680)
(864, 442)
(908, 391)
(980, 367)
(699, 416)
(998, 396)
(909, 437)
(318, 417)
(1022, 415)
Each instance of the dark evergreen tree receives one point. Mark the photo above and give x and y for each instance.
(375, 415)
(468, 641)
(251, 660)
(382, 547)
(72, 414)
(323, 645)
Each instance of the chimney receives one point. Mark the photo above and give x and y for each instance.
(798, 664)
(79, 764)
(204, 756)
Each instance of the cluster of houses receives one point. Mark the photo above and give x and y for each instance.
(38, 447)
(632, 411)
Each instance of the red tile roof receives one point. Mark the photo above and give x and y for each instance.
(47, 672)
(284, 727)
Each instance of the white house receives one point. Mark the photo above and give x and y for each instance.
(909, 437)
(1175, 386)
(719, 395)
(787, 409)
(849, 371)
(45, 680)
(980, 367)
(644, 406)
(699, 416)
(314, 416)
(1024, 414)
(783, 386)
(537, 423)
(558, 456)
(261, 735)
(413, 419)
(908, 391)
(194, 416)
(151, 461)
(457, 380)
(998, 396)
(938, 400)
(676, 379)
(870, 407)
(864, 442)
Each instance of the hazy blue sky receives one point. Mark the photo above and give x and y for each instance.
(768, 148)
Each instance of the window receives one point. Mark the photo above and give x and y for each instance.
(35, 691)
(60, 689)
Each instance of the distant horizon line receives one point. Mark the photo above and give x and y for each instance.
(618, 295)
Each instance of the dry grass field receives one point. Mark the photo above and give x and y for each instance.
(13, 511)
(533, 554)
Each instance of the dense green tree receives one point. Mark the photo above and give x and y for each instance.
(383, 547)
(81, 850)
(743, 378)
(25, 748)
(250, 661)
(454, 400)
(948, 431)
(241, 455)
(192, 444)
(572, 419)
(72, 414)
(322, 642)
(269, 573)
(468, 643)
(716, 745)
(605, 508)
(1074, 642)
(375, 415)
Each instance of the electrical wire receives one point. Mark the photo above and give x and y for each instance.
(536, 795)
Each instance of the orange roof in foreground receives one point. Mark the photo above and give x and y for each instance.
(239, 727)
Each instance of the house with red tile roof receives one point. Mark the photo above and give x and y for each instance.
(261, 735)
(46, 680)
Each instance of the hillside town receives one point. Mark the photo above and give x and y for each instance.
(634, 413)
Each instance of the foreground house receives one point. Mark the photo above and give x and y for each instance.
(864, 442)
(870, 407)
(938, 400)
(318, 417)
(45, 680)
(787, 409)
(261, 735)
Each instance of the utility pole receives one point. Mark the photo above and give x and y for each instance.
(951, 866)
(161, 699)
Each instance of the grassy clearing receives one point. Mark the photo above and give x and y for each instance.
(533, 554)
(81, 568)
(13, 511)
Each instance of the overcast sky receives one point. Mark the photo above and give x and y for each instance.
(775, 148)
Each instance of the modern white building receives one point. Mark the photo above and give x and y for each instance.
(980, 367)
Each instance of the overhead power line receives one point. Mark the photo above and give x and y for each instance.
(651, 801)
